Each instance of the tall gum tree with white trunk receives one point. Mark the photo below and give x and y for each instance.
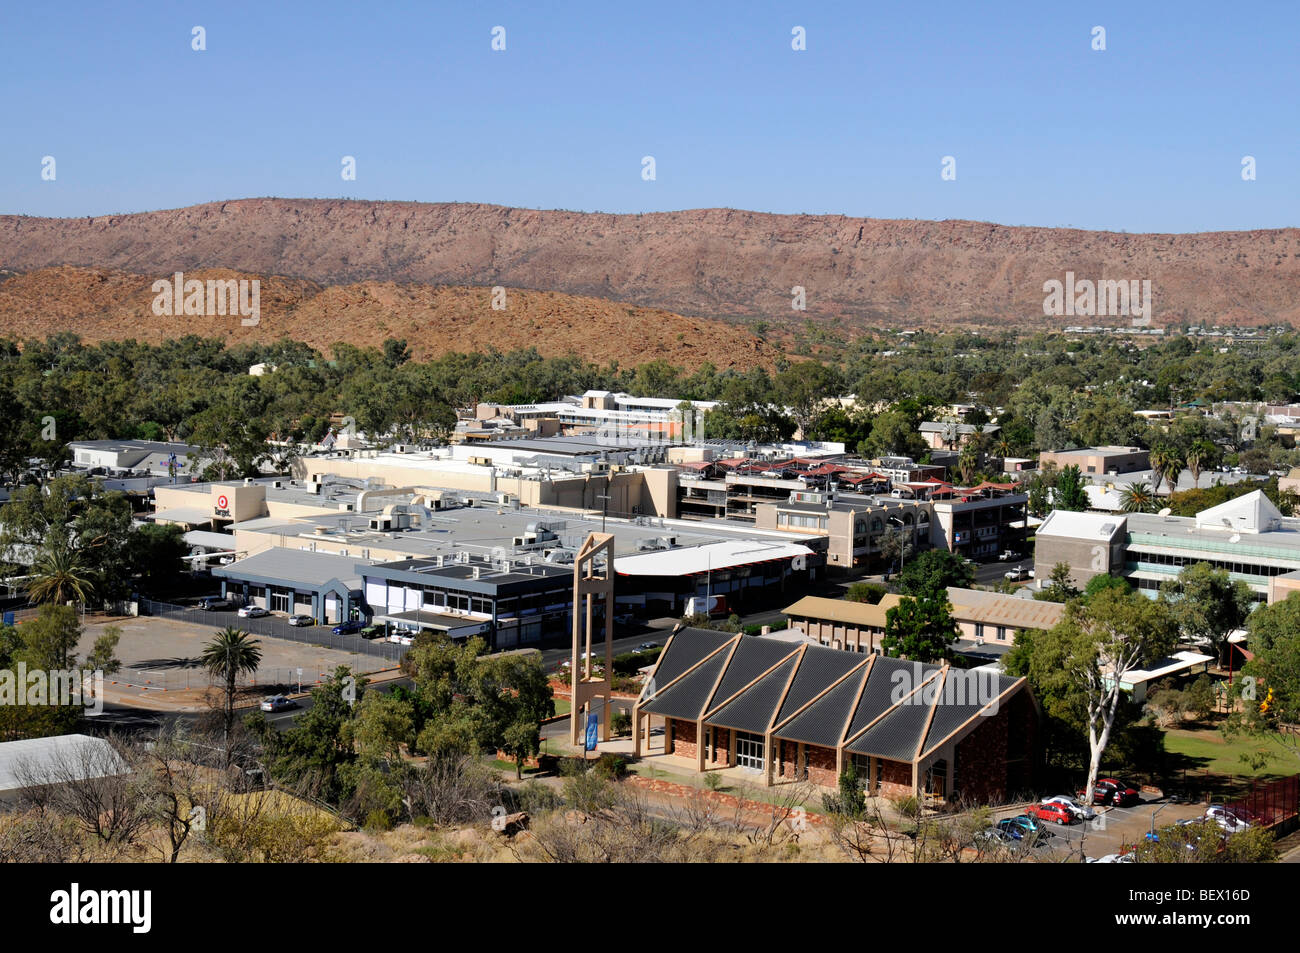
(1082, 661)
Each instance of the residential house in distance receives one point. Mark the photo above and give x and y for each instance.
(951, 435)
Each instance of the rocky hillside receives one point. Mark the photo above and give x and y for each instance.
(103, 305)
(711, 263)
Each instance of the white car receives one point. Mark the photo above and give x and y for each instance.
(1128, 858)
(1226, 819)
(252, 612)
(1017, 574)
(278, 703)
(1072, 805)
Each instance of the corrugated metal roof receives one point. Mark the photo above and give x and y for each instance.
(687, 697)
(891, 717)
(897, 735)
(687, 647)
(891, 680)
(823, 722)
(294, 566)
(817, 670)
(752, 711)
(754, 656)
(963, 696)
(998, 608)
(842, 610)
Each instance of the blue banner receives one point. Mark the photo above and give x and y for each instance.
(593, 726)
(9, 618)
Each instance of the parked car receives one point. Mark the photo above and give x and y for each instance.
(1029, 826)
(301, 620)
(1227, 819)
(350, 627)
(1074, 806)
(1017, 574)
(1010, 554)
(278, 703)
(252, 612)
(372, 632)
(999, 835)
(1112, 791)
(1018, 832)
(215, 604)
(1055, 812)
(647, 645)
(1129, 858)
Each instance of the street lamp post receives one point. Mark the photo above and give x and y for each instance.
(902, 543)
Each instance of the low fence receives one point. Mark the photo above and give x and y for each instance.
(183, 678)
(277, 628)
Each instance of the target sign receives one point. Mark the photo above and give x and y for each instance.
(222, 503)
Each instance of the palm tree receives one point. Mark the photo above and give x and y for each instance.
(1173, 470)
(1160, 457)
(968, 461)
(59, 575)
(1199, 454)
(230, 654)
(1138, 498)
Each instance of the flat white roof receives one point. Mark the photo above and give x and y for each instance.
(1081, 525)
(724, 555)
(1179, 661)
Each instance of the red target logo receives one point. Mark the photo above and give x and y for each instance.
(222, 503)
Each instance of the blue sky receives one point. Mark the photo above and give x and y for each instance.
(1148, 135)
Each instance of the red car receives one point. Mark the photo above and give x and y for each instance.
(1112, 791)
(1056, 813)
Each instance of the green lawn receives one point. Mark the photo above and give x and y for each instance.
(562, 706)
(1206, 749)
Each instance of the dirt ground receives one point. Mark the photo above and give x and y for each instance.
(160, 663)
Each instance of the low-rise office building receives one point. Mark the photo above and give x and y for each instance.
(326, 587)
(841, 623)
(856, 530)
(987, 621)
(1248, 537)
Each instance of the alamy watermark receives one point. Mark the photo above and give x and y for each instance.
(679, 426)
(219, 296)
(916, 686)
(39, 688)
(1106, 297)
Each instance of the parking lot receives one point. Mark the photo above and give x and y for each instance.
(1113, 828)
(162, 654)
(276, 626)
